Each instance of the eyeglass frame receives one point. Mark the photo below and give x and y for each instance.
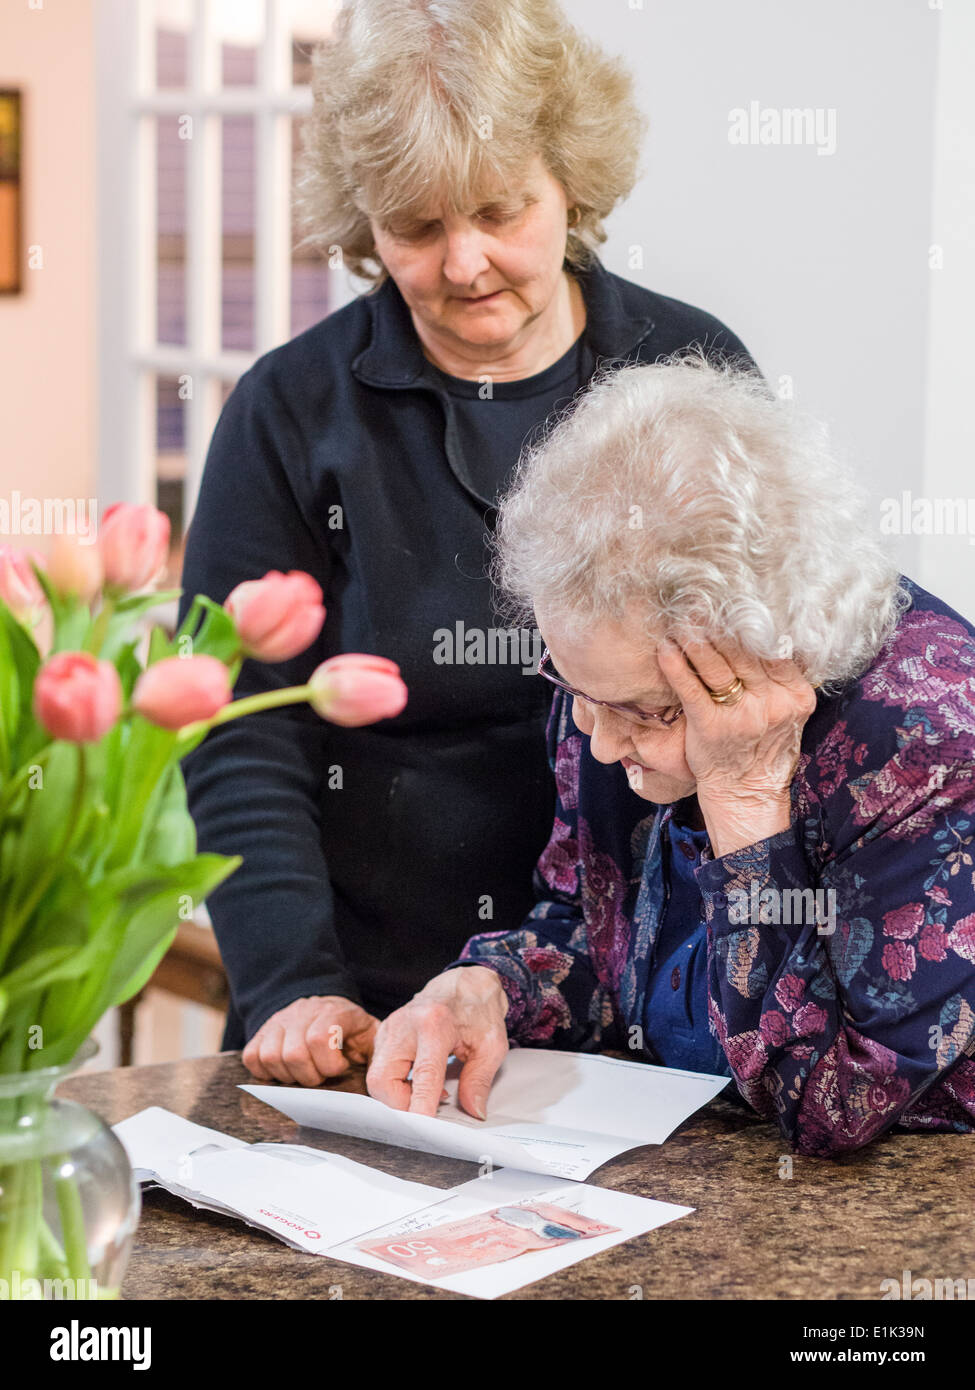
(631, 712)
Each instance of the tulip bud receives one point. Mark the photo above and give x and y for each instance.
(77, 697)
(278, 616)
(19, 587)
(133, 542)
(353, 689)
(179, 690)
(75, 570)
(23, 595)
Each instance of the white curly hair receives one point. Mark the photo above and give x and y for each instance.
(688, 489)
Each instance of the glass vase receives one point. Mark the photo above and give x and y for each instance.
(69, 1204)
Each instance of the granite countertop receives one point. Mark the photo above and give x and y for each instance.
(834, 1230)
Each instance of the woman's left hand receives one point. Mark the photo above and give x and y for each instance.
(743, 754)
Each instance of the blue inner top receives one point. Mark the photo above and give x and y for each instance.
(676, 1014)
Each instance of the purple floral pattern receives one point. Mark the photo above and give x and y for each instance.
(836, 1026)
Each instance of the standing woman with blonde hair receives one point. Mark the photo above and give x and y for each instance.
(463, 155)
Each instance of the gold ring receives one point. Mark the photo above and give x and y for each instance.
(729, 696)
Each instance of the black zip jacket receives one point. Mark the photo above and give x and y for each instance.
(371, 855)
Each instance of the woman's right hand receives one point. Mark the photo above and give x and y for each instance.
(310, 1041)
(460, 1013)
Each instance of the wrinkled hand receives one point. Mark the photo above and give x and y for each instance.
(311, 1040)
(743, 755)
(460, 1012)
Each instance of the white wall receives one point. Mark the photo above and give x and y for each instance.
(948, 562)
(818, 262)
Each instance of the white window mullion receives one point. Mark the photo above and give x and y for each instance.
(203, 411)
(126, 255)
(204, 261)
(232, 101)
(144, 183)
(273, 190)
(141, 465)
(170, 360)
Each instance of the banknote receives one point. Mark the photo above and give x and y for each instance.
(486, 1239)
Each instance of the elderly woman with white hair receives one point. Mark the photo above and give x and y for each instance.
(763, 738)
(461, 158)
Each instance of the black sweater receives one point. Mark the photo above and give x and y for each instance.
(371, 855)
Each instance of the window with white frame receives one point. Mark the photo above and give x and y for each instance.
(201, 104)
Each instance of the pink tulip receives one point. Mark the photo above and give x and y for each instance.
(23, 595)
(180, 690)
(134, 545)
(352, 689)
(76, 697)
(75, 569)
(19, 587)
(278, 616)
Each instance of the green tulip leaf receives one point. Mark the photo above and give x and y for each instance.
(216, 635)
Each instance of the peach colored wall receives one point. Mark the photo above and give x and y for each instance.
(47, 333)
(48, 366)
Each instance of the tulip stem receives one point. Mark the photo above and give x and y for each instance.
(98, 629)
(16, 784)
(54, 865)
(72, 1220)
(250, 704)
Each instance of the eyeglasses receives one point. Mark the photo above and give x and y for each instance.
(667, 717)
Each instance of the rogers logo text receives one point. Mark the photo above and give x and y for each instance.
(283, 1220)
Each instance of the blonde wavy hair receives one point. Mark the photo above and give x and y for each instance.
(421, 100)
(688, 489)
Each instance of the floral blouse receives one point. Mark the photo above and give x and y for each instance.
(841, 952)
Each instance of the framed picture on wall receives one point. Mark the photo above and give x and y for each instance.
(10, 160)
